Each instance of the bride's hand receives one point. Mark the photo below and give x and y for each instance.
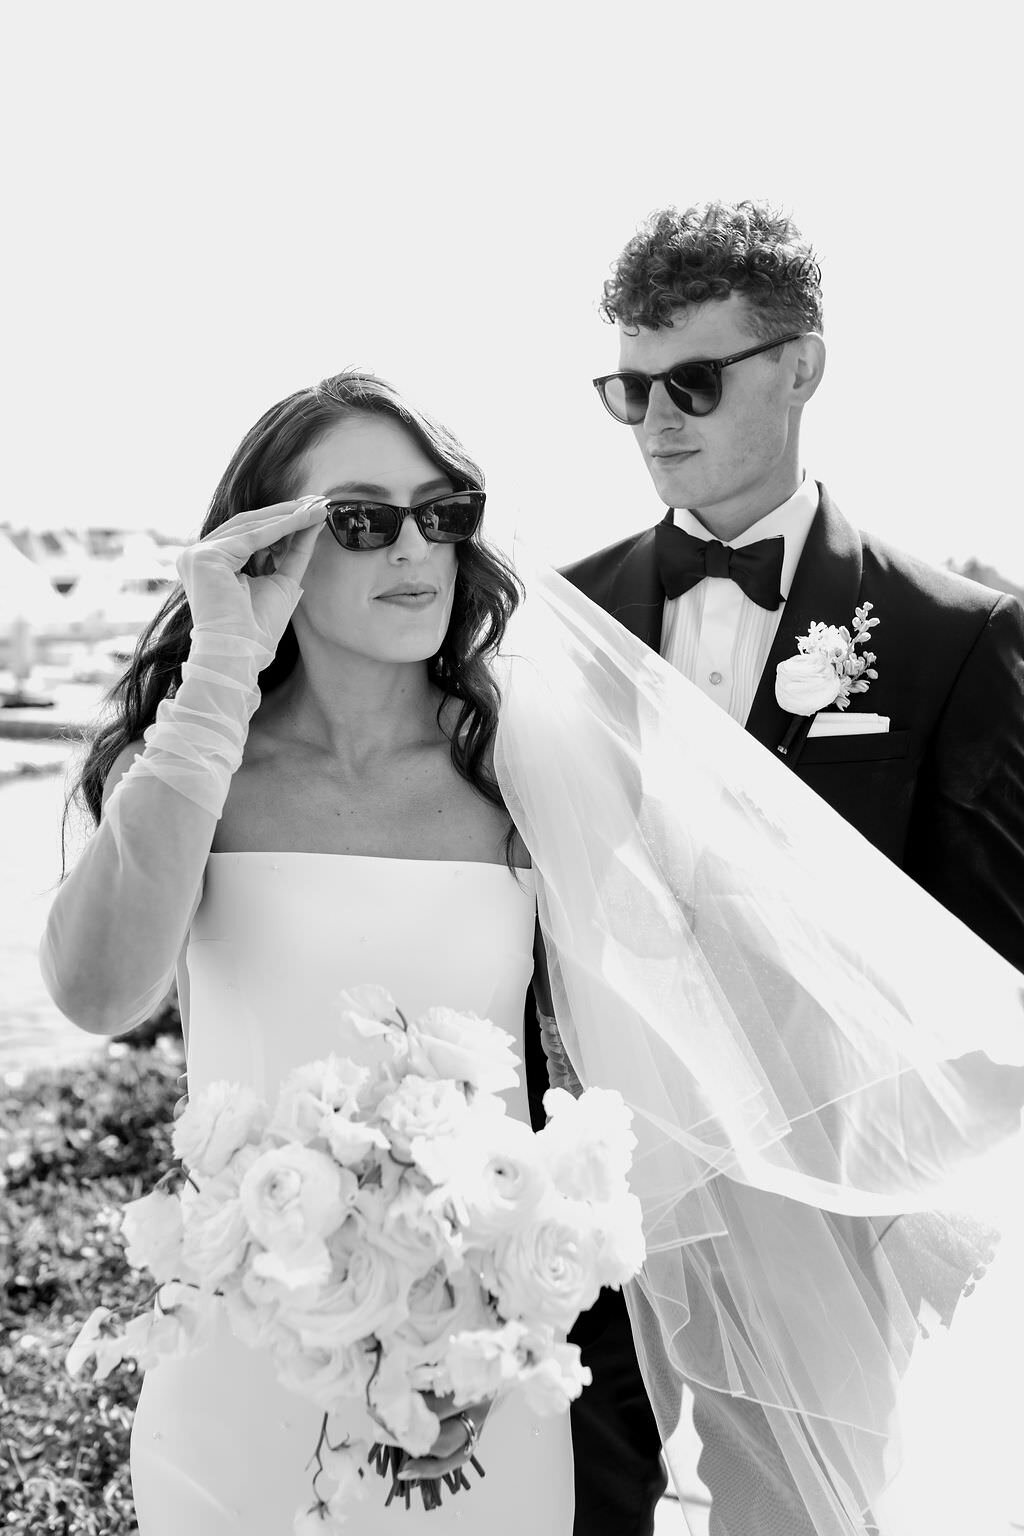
(454, 1445)
(244, 577)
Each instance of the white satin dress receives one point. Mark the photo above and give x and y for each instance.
(218, 1448)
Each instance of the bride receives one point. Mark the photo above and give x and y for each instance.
(309, 783)
(314, 808)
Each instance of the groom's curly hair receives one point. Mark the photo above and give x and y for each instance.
(708, 252)
(264, 469)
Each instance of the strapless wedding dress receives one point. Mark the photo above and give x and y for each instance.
(218, 1448)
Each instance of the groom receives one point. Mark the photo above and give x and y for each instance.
(719, 319)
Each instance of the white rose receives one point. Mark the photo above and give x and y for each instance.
(328, 1377)
(315, 1093)
(152, 1233)
(294, 1197)
(417, 1227)
(366, 1294)
(216, 1124)
(217, 1235)
(479, 1362)
(460, 1046)
(439, 1307)
(587, 1144)
(551, 1384)
(806, 683)
(546, 1272)
(422, 1109)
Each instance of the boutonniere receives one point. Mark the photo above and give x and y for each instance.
(827, 669)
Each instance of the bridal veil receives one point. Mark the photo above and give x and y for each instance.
(826, 1068)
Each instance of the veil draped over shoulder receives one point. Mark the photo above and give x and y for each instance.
(824, 1065)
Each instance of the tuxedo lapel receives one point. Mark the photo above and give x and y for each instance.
(826, 590)
(635, 595)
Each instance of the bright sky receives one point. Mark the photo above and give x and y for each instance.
(213, 204)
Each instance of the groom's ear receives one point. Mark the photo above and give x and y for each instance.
(808, 364)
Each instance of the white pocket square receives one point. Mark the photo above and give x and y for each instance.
(834, 722)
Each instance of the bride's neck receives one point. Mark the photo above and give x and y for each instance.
(353, 707)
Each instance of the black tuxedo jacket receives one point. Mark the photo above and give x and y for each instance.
(942, 793)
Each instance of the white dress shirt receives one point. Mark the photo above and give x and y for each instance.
(714, 634)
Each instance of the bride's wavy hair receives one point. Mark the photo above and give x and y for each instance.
(263, 470)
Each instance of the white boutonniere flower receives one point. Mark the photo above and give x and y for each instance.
(828, 668)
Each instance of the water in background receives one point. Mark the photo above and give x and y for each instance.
(32, 1031)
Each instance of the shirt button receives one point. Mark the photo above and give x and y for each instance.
(715, 677)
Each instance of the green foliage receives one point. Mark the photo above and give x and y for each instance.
(74, 1145)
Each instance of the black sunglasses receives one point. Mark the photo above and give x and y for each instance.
(447, 519)
(694, 388)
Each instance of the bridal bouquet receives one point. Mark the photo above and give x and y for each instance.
(389, 1234)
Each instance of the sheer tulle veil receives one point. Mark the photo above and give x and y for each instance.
(824, 1065)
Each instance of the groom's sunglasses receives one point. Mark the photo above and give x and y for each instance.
(694, 388)
(447, 519)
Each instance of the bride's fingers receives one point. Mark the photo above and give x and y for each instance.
(452, 1448)
(240, 538)
(295, 557)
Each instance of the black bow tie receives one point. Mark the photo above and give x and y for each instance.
(683, 561)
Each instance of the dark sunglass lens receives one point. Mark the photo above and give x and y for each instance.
(361, 525)
(626, 396)
(693, 388)
(451, 519)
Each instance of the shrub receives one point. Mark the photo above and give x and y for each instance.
(74, 1145)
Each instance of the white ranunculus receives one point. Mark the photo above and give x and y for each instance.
(498, 1179)
(419, 1109)
(291, 1195)
(551, 1384)
(806, 683)
(216, 1124)
(587, 1144)
(546, 1271)
(315, 1093)
(460, 1046)
(152, 1231)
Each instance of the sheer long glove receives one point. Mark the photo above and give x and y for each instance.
(118, 923)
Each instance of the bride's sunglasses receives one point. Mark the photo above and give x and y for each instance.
(694, 388)
(447, 519)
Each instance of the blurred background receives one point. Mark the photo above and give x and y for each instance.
(213, 204)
